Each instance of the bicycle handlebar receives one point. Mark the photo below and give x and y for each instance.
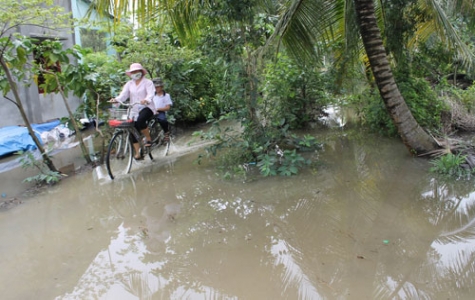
(123, 103)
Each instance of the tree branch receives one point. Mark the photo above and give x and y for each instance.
(2, 52)
(11, 100)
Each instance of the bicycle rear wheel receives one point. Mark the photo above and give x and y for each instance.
(160, 147)
(156, 132)
(119, 154)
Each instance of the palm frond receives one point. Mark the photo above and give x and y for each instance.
(440, 23)
(351, 51)
(182, 14)
(116, 8)
(185, 17)
(306, 27)
(465, 8)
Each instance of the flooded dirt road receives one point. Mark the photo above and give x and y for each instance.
(368, 222)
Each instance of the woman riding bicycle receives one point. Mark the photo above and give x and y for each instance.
(140, 91)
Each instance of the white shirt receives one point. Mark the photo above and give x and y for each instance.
(162, 101)
(145, 90)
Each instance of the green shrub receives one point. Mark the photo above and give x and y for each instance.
(190, 78)
(423, 102)
(237, 152)
(466, 97)
(450, 165)
(291, 93)
(45, 176)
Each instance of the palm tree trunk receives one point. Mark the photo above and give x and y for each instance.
(413, 136)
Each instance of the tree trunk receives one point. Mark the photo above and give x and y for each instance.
(413, 136)
(85, 152)
(18, 103)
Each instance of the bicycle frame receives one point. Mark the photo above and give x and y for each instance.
(120, 153)
(136, 134)
(128, 124)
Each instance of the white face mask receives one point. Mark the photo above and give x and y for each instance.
(136, 76)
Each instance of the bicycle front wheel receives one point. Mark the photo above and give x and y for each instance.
(119, 155)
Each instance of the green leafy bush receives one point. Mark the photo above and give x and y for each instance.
(190, 78)
(45, 176)
(450, 165)
(291, 93)
(102, 78)
(263, 151)
(285, 163)
(466, 97)
(423, 102)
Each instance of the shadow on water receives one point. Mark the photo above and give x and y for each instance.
(369, 222)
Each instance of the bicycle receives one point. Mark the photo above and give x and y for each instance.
(120, 154)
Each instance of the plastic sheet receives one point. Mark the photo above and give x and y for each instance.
(16, 138)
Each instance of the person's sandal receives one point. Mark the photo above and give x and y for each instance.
(148, 144)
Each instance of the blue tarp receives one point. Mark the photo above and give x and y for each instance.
(16, 138)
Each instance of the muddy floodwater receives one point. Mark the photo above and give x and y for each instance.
(368, 221)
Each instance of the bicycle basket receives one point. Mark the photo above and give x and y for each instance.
(118, 117)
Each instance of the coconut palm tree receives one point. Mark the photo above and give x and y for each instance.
(348, 20)
(413, 136)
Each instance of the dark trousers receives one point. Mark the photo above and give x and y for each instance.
(141, 123)
(164, 124)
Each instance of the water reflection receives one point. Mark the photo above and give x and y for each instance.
(368, 223)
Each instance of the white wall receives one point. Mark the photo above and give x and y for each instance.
(39, 108)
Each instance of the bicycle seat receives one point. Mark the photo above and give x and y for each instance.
(121, 124)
